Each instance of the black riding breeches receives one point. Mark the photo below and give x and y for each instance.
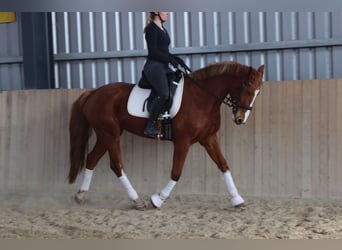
(156, 74)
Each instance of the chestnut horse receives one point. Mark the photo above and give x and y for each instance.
(104, 110)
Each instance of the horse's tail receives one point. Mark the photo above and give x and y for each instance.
(80, 131)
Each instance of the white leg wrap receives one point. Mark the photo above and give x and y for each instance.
(236, 198)
(158, 200)
(88, 174)
(132, 194)
(167, 190)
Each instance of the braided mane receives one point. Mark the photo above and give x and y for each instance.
(227, 67)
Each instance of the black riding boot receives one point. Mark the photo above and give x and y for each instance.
(156, 108)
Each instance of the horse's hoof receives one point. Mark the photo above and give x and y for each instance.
(237, 201)
(80, 197)
(241, 206)
(140, 204)
(156, 201)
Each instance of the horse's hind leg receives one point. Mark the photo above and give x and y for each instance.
(213, 148)
(92, 159)
(117, 167)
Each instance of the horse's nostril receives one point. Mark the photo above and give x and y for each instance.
(239, 121)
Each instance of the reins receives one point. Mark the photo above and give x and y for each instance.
(227, 100)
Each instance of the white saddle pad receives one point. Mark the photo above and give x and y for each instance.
(138, 96)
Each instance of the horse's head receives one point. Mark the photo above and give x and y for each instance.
(244, 96)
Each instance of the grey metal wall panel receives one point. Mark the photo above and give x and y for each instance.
(11, 72)
(92, 49)
(215, 29)
(11, 76)
(98, 32)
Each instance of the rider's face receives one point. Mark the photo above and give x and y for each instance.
(164, 15)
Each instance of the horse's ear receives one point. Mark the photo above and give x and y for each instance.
(261, 69)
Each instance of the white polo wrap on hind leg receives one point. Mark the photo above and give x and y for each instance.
(232, 190)
(88, 175)
(132, 194)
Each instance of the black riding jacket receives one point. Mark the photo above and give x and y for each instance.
(158, 42)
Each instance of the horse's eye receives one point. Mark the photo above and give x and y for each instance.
(249, 93)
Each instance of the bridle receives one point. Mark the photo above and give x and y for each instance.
(235, 105)
(227, 100)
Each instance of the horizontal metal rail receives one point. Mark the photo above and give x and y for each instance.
(11, 59)
(231, 48)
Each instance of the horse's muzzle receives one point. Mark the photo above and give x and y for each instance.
(238, 121)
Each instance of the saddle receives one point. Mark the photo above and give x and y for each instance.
(142, 95)
(173, 78)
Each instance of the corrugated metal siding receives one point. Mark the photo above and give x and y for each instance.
(92, 49)
(97, 32)
(202, 38)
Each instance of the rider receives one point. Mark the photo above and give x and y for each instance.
(156, 66)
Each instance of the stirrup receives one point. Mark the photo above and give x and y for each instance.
(151, 130)
(150, 133)
(155, 136)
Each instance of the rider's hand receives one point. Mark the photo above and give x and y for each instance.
(179, 60)
(174, 62)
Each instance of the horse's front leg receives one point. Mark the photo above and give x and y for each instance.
(179, 155)
(213, 148)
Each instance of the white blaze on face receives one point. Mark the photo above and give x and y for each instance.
(247, 113)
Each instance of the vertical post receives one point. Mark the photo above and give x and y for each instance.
(37, 50)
